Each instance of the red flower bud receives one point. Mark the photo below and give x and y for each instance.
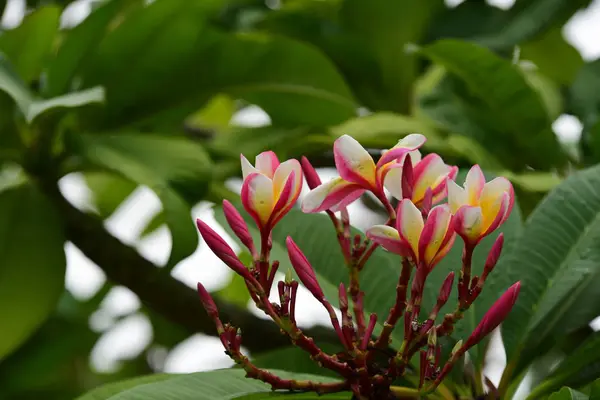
(238, 225)
(407, 177)
(445, 290)
(304, 270)
(494, 316)
(493, 256)
(312, 178)
(369, 331)
(222, 250)
(207, 301)
(343, 296)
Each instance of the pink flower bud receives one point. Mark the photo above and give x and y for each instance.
(312, 178)
(493, 256)
(222, 249)
(207, 301)
(238, 225)
(407, 178)
(369, 331)
(494, 316)
(445, 290)
(427, 202)
(343, 296)
(303, 269)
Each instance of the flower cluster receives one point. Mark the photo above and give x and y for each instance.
(421, 229)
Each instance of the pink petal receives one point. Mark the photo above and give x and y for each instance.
(434, 232)
(247, 168)
(474, 184)
(410, 224)
(286, 200)
(353, 162)
(257, 197)
(431, 172)
(389, 239)
(469, 223)
(329, 194)
(407, 144)
(267, 162)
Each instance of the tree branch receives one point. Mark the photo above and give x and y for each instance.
(165, 295)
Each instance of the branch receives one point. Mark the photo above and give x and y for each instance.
(165, 295)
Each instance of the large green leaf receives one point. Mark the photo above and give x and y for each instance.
(527, 19)
(294, 359)
(14, 87)
(32, 266)
(568, 394)
(553, 258)
(108, 191)
(41, 108)
(78, 44)
(218, 385)
(492, 82)
(29, 44)
(109, 390)
(386, 27)
(569, 371)
(136, 64)
(167, 165)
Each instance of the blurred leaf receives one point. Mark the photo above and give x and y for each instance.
(156, 222)
(215, 115)
(568, 394)
(528, 19)
(554, 56)
(14, 87)
(109, 191)
(376, 27)
(595, 391)
(557, 246)
(584, 102)
(135, 63)
(30, 281)
(569, 370)
(28, 45)
(78, 44)
(547, 90)
(109, 390)
(500, 86)
(161, 163)
(38, 109)
(218, 385)
(236, 291)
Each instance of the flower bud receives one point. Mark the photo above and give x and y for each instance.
(207, 301)
(494, 316)
(493, 256)
(312, 178)
(343, 296)
(407, 178)
(456, 349)
(445, 290)
(303, 269)
(369, 331)
(222, 250)
(238, 225)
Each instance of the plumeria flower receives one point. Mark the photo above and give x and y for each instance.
(426, 243)
(479, 207)
(428, 173)
(270, 188)
(358, 173)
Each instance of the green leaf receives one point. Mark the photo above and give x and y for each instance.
(109, 191)
(595, 392)
(501, 87)
(109, 390)
(219, 385)
(549, 48)
(569, 371)
(528, 19)
(135, 63)
(14, 87)
(32, 270)
(568, 394)
(39, 109)
(28, 45)
(78, 44)
(167, 165)
(236, 291)
(554, 256)
(294, 359)
(375, 26)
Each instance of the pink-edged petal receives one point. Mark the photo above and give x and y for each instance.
(492, 221)
(457, 196)
(431, 172)
(469, 223)
(474, 183)
(492, 191)
(407, 144)
(280, 177)
(267, 162)
(353, 162)
(434, 232)
(285, 201)
(388, 238)
(349, 199)
(247, 168)
(329, 194)
(446, 246)
(393, 179)
(410, 224)
(257, 197)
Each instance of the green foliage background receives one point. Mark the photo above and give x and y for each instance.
(143, 94)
